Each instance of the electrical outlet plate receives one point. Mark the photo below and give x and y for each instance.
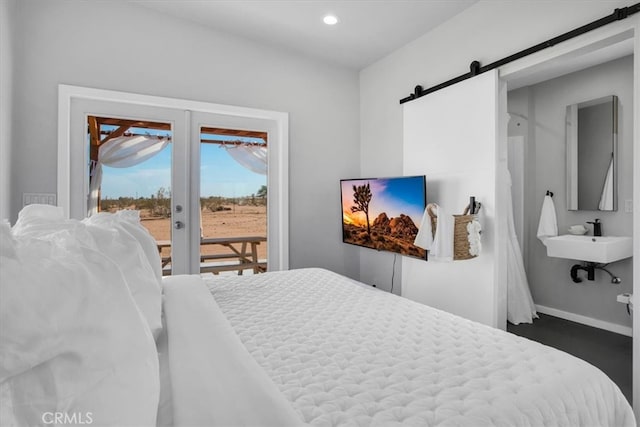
(624, 298)
(628, 206)
(39, 198)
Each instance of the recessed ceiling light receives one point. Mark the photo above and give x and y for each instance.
(330, 20)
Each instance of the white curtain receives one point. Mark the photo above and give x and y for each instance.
(252, 157)
(520, 306)
(122, 152)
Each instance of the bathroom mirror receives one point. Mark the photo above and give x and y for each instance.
(592, 137)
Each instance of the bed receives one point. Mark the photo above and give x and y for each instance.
(299, 347)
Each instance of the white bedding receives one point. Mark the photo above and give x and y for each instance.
(213, 380)
(345, 354)
(75, 347)
(80, 301)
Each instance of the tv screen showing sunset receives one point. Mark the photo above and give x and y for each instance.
(383, 213)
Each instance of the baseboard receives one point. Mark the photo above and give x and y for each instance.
(590, 321)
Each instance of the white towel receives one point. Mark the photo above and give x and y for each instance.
(440, 245)
(606, 198)
(424, 238)
(548, 226)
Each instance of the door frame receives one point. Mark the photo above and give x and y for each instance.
(278, 174)
(555, 56)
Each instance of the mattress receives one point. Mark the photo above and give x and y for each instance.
(346, 354)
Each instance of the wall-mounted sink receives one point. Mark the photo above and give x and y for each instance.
(600, 249)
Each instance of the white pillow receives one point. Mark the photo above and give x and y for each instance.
(130, 220)
(37, 214)
(7, 242)
(121, 238)
(72, 339)
(132, 248)
(44, 222)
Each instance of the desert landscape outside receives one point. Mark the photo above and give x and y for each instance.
(220, 218)
(383, 213)
(133, 165)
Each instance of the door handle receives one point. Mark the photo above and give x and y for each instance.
(178, 225)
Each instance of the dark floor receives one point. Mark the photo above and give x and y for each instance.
(608, 351)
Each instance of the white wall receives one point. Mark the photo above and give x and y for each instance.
(544, 105)
(120, 46)
(6, 103)
(487, 31)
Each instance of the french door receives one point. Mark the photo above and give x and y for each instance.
(247, 240)
(185, 166)
(179, 167)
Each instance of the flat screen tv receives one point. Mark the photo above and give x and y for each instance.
(384, 213)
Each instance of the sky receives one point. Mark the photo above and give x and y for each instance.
(221, 175)
(394, 196)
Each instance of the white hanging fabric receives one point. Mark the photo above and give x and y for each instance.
(252, 157)
(520, 306)
(440, 246)
(122, 152)
(548, 225)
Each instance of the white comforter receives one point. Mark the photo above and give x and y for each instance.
(213, 380)
(345, 354)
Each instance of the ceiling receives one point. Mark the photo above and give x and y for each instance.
(367, 30)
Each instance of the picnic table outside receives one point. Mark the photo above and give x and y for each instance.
(243, 255)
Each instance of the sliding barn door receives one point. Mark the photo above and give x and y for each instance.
(454, 137)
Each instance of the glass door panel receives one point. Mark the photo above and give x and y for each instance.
(233, 200)
(130, 163)
(131, 156)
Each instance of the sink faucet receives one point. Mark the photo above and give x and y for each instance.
(597, 227)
